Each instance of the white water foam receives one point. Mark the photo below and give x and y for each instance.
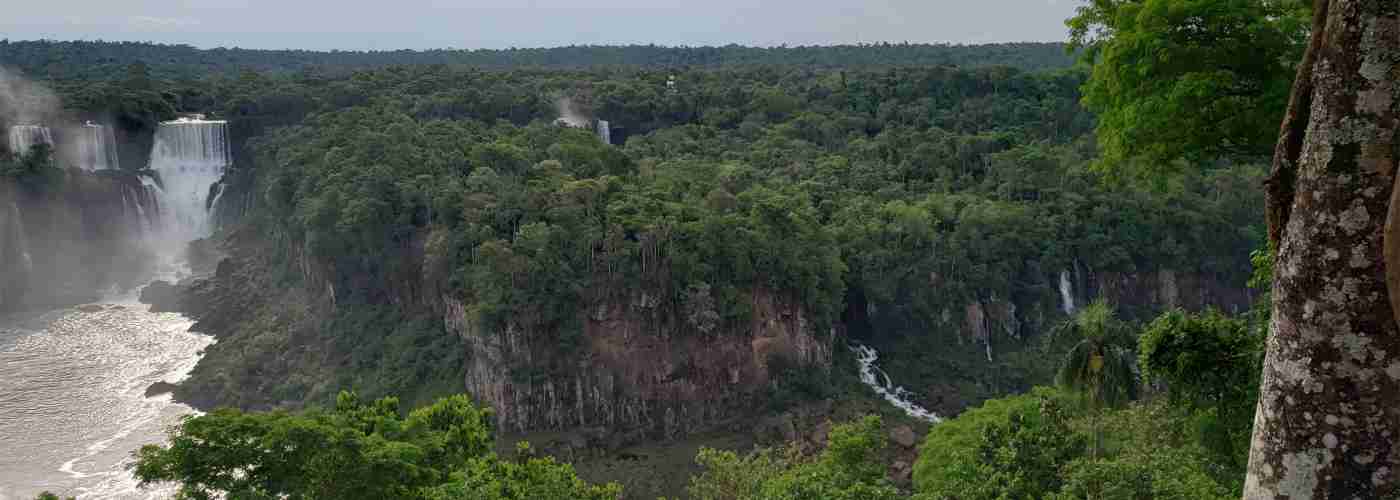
(189, 156)
(74, 396)
(880, 382)
(97, 147)
(25, 137)
(1066, 293)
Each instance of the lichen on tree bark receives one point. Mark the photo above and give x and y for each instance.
(1329, 410)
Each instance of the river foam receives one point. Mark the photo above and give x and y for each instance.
(72, 388)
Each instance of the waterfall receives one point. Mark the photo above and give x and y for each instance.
(188, 158)
(878, 380)
(1066, 293)
(604, 132)
(24, 137)
(16, 231)
(97, 147)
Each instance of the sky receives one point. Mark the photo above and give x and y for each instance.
(494, 24)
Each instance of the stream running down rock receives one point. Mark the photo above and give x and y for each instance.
(879, 381)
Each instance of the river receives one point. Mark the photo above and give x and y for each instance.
(72, 396)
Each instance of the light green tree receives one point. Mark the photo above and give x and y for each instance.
(355, 451)
(851, 468)
(1195, 79)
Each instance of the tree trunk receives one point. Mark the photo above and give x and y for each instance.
(1328, 418)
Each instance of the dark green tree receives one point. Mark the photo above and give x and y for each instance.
(1100, 366)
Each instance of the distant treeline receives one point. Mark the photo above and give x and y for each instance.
(88, 60)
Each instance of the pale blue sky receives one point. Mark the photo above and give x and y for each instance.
(421, 24)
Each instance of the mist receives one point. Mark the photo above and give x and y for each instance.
(570, 114)
(25, 102)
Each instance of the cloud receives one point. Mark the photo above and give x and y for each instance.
(161, 23)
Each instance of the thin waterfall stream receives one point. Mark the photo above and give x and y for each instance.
(880, 382)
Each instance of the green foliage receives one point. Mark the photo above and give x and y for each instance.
(851, 468)
(34, 170)
(1165, 474)
(923, 189)
(1193, 79)
(1211, 365)
(1007, 448)
(98, 60)
(50, 496)
(528, 478)
(1035, 446)
(1262, 260)
(1151, 454)
(1100, 366)
(357, 450)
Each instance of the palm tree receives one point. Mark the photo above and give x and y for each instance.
(1101, 366)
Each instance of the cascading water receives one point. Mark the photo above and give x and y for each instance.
(604, 131)
(74, 382)
(189, 157)
(877, 380)
(97, 147)
(1066, 293)
(25, 137)
(12, 227)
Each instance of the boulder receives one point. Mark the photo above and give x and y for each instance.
(159, 388)
(163, 296)
(904, 436)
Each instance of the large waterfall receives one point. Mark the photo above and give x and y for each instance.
(25, 137)
(75, 381)
(189, 158)
(97, 147)
(880, 382)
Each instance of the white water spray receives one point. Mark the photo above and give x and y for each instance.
(1066, 293)
(189, 156)
(97, 147)
(604, 132)
(878, 380)
(17, 232)
(25, 137)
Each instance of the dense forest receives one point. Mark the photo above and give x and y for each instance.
(1082, 290)
(100, 60)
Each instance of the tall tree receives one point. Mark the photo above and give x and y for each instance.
(1100, 365)
(1194, 79)
(1329, 409)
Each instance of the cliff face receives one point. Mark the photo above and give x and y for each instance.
(974, 350)
(632, 369)
(634, 366)
(292, 330)
(69, 242)
(1133, 295)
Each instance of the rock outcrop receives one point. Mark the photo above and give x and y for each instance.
(633, 368)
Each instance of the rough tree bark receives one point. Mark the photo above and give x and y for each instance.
(1328, 419)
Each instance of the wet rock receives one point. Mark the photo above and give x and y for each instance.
(821, 433)
(903, 436)
(163, 296)
(90, 308)
(901, 472)
(159, 388)
(578, 442)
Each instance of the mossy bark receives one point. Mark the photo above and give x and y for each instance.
(1329, 410)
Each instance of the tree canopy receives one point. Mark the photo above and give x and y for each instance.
(1197, 80)
(358, 450)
